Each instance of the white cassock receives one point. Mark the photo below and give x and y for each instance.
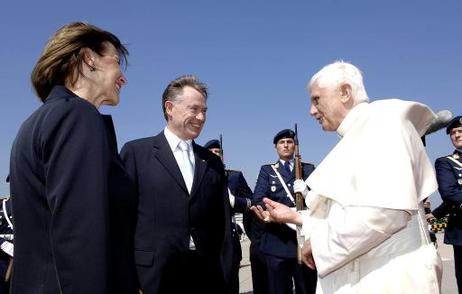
(364, 225)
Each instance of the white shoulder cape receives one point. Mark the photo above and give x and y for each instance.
(381, 160)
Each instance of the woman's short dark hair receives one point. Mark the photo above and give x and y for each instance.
(63, 55)
(175, 88)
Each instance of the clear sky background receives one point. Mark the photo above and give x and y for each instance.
(255, 55)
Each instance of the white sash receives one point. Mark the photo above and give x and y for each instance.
(289, 195)
(453, 160)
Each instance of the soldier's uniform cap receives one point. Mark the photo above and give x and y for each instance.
(454, 123)
(287, 133)
(212, 144)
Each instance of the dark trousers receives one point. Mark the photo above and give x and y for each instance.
(192, 273)
(285, 273)
(4, 287)
(237, 257)
(458, 265)
(259, 272)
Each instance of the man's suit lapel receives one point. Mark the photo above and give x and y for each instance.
(201, 166)
(164, 154)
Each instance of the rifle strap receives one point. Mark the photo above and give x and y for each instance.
(283, 183)
(453, 160)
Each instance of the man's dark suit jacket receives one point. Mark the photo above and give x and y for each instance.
(73, 204)
(168, 215)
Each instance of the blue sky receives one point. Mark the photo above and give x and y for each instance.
(255, 55)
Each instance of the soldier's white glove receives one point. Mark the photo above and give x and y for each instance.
(232, 198)
(301, 187)
(8, 248)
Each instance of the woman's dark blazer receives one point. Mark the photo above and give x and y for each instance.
(73, 204)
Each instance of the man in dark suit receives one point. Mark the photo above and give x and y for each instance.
(449, 177)
(183, 233)
(279, 242)
(240, 199)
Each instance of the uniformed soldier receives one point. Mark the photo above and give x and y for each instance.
(279, 243)
(239, 198)
(449, 176)
(6, 243)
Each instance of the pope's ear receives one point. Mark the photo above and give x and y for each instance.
(346, 93)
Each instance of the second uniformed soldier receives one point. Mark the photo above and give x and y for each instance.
(449, 177)
(279, 243)
(239, 198)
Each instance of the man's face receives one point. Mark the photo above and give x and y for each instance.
(215, 151)
(456, 137)
(285, 148)
(326, 107)
(187, 114)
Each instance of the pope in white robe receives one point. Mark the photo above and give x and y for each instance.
(364, 229)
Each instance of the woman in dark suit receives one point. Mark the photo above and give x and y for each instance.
(73, 204)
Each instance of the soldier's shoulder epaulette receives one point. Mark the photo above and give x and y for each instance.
(444, 157)
(276, 165)
(233, 170)
(456, 156)
(307, 163)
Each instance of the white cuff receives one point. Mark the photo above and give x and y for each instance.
(8, 248)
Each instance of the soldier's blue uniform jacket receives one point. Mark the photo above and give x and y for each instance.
(449, 176)
(278, 239)
(239, 188)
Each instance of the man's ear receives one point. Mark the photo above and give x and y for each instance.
(346, 93)
(168, 108)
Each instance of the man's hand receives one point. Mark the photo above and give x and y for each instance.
(307, 255)
(281, 213)
(301, 187)
(430, 218)
(262, 214)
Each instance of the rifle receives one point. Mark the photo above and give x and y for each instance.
(299, 200)
(221, 149)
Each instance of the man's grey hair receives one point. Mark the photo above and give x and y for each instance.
(335, 74)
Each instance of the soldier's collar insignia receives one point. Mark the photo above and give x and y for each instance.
(276, 165)
(456, 156)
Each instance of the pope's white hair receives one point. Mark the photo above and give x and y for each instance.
(335, 74)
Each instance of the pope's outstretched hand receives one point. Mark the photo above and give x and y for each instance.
(281, 213)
